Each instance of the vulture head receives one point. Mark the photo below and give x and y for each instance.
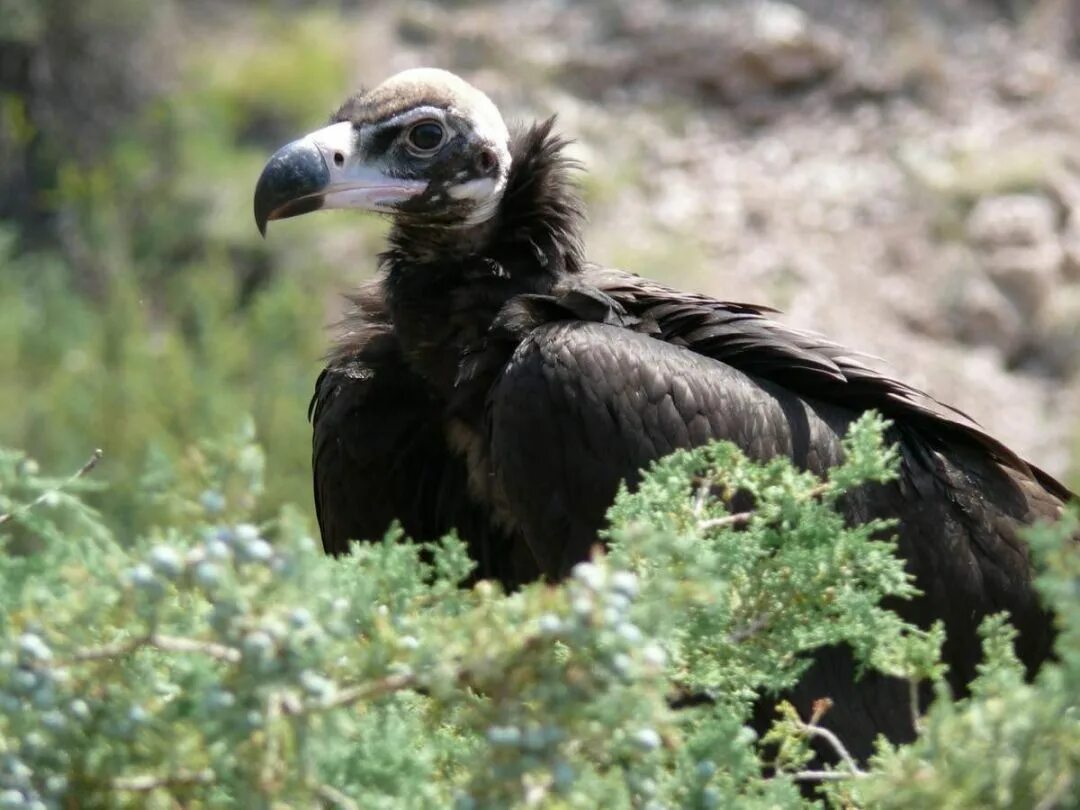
(424, 147)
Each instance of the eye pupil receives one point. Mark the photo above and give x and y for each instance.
(426, 136)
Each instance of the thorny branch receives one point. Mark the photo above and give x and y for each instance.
(51, 493)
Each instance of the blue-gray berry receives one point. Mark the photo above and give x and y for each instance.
(218, 549)
(218, 699)
(257, 645)
(647, 739)
(79, 709)
(300, 617)
(207, 575)
(33, 648)
(166, 561)
(255, 550)
(504, 735)
(24, 681)
(590, 574)
(624, 583)
(245, 532)
(212, 501)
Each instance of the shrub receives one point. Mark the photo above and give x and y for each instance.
(217, 662)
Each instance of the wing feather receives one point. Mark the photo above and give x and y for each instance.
(743, 336)
(379, 454)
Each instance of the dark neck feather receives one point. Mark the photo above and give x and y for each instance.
(537, 228)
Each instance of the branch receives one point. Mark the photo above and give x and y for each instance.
(727, 520)
(749, 630)
(278, 704)
(837, 746)
(334, 796)
(739, 518)
(354, 694)
(149, 782)
(913, 698)
(219, 652)
(826, 776)
(1057, 791)
(50, 493)
(702, 494)
(812, 729)
(383, 686)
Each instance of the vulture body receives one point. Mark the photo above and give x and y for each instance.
(491, 380)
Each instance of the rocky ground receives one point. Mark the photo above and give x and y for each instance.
(904, 178)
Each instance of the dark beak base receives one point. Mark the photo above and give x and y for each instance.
(291, 183)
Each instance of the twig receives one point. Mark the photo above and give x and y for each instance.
(749, 630)
(726, 520)
(702, 494)
(363, 691)
(50, 493)
(743, 517)
(335, 796)
(180, 644)
(837, 746)
(274, 707)
(913, 698)
(812, 729)
(1057, 790)
(145, 783)
(116, 649)
(825, 776)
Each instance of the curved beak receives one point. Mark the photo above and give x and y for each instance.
(326, 169)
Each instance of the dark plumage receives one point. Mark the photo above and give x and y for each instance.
(492, 381)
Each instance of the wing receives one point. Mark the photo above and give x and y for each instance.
(745, 337)
(379, 454)
(583, 405)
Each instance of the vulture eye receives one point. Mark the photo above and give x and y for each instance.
(426, 137)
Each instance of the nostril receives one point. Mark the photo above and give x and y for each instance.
(486, 160)
(339, 159)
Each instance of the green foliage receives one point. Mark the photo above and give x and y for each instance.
(793, 579)
(172, 636)
(218, 661)
(139, 310)
(1011, 743)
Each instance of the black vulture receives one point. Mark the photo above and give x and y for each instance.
(491, 380)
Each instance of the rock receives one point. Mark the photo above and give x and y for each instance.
(981, 315)
(1012, 220)
(1056, 346)
(1026, 275)
(738, 57)
(1015, 237)
(1032, 75)
(784, 50)
(1070, 246)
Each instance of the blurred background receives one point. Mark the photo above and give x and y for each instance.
(901, 176)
